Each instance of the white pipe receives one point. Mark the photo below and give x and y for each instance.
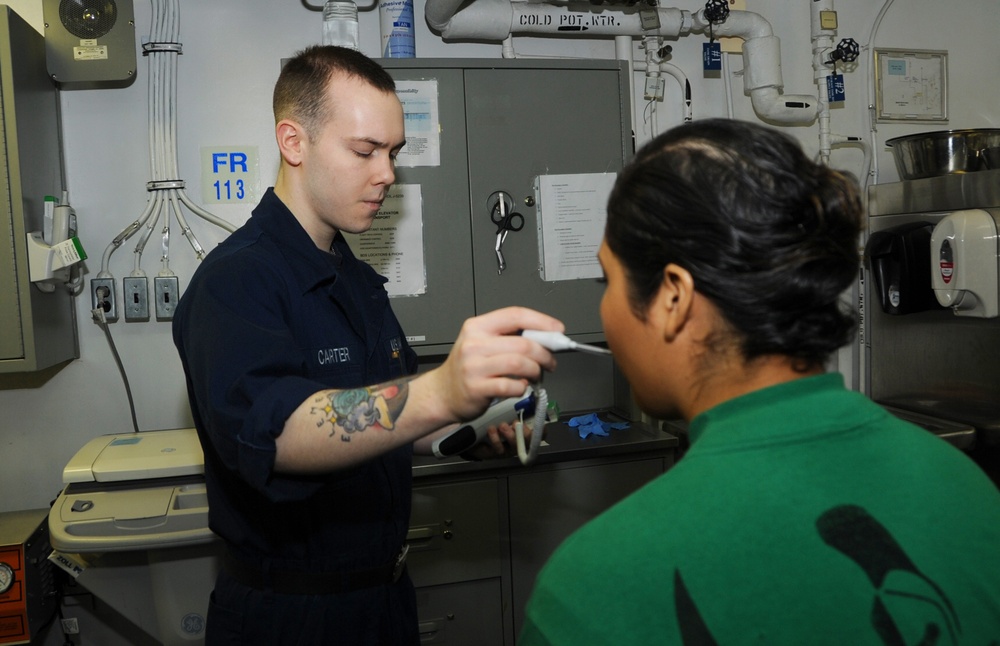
(496, 20)
(822, 45)
(585, 19)
(727, 78)
(652, 45)
(762, 68)
(762, 80)
(439, 13)
(669, 68)
(623, 52)
(871, 177)
(740, 24)
(507, 50)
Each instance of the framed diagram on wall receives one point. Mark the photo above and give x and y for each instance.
(911, 85)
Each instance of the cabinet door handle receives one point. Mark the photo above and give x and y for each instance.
(422, 534)
(429, 630)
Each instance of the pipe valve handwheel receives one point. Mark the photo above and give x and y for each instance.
(716, 11)
(847, 50)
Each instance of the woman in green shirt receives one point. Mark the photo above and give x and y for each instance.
(803, 513)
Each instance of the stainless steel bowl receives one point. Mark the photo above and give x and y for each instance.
(931, 154)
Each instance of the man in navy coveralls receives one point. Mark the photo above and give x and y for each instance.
(302, 385)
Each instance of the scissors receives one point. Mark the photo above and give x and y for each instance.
(506, 222)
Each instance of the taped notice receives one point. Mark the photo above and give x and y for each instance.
(394, 245)
(572, 210)
(421, 122)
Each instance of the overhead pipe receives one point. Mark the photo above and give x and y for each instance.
(497, 20)
(822, 45)
(623, 52)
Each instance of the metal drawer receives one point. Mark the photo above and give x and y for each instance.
(454, 533)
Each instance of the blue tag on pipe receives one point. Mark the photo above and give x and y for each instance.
(835, 88)
(711, 56)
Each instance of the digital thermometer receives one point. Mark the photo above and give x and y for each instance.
(471, 433)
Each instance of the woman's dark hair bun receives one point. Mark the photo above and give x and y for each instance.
(770, 237)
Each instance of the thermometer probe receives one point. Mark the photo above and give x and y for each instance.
(557, 342)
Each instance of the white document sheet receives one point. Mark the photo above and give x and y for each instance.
(571, 217)
(422, 127)
(394, 245)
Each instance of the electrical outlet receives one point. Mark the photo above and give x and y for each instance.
(102, 293)
(135, 298)
(167, 291)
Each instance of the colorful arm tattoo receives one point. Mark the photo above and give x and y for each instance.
(353, 411)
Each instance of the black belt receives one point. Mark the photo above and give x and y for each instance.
(292, 582)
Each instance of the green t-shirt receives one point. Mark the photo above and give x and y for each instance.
(803, 513)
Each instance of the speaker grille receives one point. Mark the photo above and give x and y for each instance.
(88, 18)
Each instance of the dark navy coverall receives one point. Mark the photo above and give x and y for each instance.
(267, 320)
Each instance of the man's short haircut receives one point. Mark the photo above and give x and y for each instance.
(300, 93)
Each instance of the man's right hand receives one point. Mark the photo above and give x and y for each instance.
(490, 360)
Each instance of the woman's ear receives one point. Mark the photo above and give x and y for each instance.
(291, 141)
(675, 299)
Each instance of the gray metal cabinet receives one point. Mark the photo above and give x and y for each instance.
(455, 532)
(524, 123)
(457, 560)
(480, 532)
(462, 613)
(502, 125)
(37, 330)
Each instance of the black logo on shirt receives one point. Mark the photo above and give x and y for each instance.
(908, 607)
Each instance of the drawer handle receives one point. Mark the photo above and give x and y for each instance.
(430, 629)
(422, 533)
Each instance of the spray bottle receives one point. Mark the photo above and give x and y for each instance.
(396, 21)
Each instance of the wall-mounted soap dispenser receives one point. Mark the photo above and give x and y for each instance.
(898, 260)
(964, 263)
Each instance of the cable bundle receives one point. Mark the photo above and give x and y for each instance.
(166, 189)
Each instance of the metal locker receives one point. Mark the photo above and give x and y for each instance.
(502, 124)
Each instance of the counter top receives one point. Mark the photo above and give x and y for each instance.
(562, 444)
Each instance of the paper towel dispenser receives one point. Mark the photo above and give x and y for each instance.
(898, 260)
(964, 263)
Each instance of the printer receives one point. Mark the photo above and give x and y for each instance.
(131, 525)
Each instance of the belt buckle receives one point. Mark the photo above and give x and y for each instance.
(400, 564)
